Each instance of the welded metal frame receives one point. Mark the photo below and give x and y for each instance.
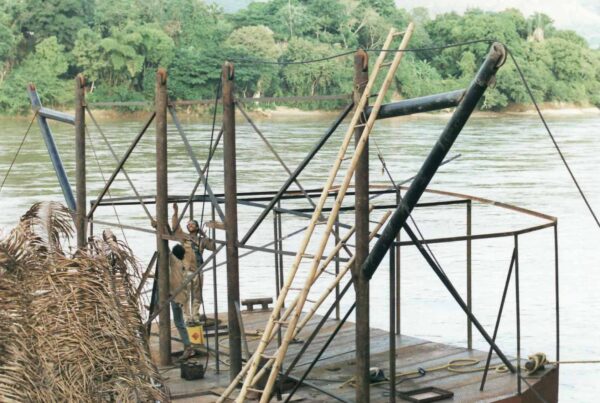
(274, 201)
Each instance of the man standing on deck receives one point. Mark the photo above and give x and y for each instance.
(194, 244)
(176, 277)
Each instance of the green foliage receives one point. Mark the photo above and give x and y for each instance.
(43, 67)
(416, 78)
(328, 77)
(7, 41)
(41, 19)
(119, 44)
(252, 43)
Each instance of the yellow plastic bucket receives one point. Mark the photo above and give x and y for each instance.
(196, 334)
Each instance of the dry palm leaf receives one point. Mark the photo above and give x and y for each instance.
(70, 328)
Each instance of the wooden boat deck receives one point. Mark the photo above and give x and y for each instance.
(336, 366)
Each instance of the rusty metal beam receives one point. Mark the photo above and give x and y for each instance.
(162, 245)
(231, 220)
(80, 163)
(419, 105)
(361, 204)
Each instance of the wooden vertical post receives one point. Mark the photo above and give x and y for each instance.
(162, 245)
(361, 283)
(231, 225)
(80, 165)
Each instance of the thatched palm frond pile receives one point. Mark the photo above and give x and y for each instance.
(70, 329)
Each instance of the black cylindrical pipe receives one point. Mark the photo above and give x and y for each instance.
(486, 72)
(162, 245)
(419, 105)
(80, 185)
(231, 226)
(361, 203)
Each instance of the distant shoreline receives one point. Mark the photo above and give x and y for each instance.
(284, 112)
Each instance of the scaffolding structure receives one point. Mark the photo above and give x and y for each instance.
(362, 261)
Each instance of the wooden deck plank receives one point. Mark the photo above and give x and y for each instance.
(337, 363)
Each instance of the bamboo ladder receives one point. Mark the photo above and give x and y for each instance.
(251, 368)
(317, 303)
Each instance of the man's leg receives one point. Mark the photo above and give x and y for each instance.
(180, 323)
(197, 297)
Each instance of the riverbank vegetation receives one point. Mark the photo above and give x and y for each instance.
(119, 44)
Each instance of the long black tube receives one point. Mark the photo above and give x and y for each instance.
(436, 156)
(297, 172)
(419, 105)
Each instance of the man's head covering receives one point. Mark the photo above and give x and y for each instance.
(178, 251)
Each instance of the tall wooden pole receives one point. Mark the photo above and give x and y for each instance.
(231, 225)
(80, 186)
(162, 245)
(361, 283)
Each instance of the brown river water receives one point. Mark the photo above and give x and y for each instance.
(507, 158)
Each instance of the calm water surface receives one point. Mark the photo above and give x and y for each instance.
(508, 158)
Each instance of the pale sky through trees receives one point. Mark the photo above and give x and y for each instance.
(582, 16)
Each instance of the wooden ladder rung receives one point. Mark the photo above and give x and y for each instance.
(255, 390)
(283, 322)
(388, 64)
(399, 33)
(267, 356)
